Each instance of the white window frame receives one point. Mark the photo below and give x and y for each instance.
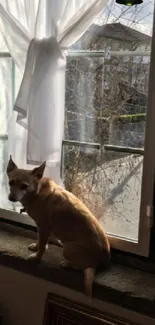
(146, 207)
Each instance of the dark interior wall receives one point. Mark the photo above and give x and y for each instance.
(24, 297)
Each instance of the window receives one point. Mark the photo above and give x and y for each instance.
(107, 159)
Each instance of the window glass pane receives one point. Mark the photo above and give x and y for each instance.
(106, 102)
(10, 78)
(5, 113)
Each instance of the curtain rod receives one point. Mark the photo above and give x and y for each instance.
(83, 53)
(100, 53)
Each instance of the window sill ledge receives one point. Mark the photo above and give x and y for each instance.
(121, 285)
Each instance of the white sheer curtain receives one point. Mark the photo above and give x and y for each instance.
(37, 34)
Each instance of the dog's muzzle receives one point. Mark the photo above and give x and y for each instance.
(12, 198)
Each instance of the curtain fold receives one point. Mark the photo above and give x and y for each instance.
(37, 34)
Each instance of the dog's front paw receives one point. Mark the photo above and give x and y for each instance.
(65, 264)
(33, 247)
(34, 257)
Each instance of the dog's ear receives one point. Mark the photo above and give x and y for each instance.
(39, 171)
(11, 166)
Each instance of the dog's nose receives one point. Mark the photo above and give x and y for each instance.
(12, 198)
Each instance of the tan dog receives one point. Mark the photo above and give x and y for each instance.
(61, 213)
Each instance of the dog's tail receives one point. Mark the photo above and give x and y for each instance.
(89, 274)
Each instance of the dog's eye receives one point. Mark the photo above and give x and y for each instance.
(23, 186)
(11, 182)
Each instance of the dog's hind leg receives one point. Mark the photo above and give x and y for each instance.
(55, 241)
(89, 275)
(77, 257)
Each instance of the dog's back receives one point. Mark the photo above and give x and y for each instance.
(72, 222)
(85, 243)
